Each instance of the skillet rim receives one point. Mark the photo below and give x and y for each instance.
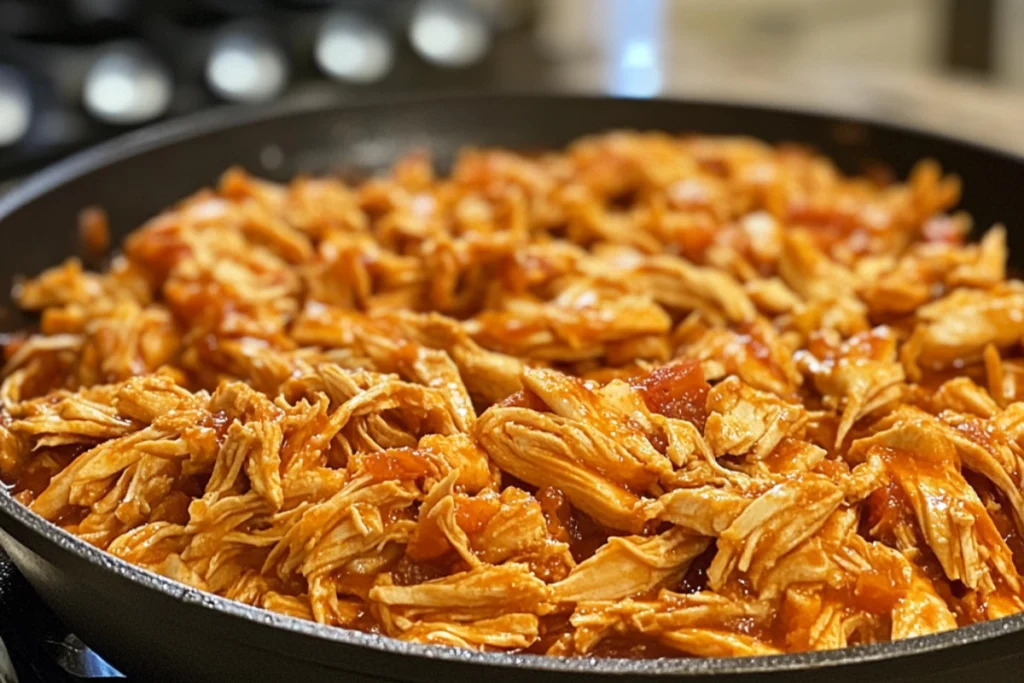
(167, 133)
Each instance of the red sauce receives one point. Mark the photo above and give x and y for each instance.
(173, 508)
(692, 241)
(473, 513)
(758, 349)
(427, 542)
(157, 250)
(557, 512)
(355, 583)
(402, 464)
(71, 515)
(586, 536)
(218, 422)
(819, 347)
(887, 508)
(567, 524)
(878, 591)
(1000, 511)
(37, 473)
(552, 627)
(833, 468)
(676, 390)
(204, 303)
(696, 577)
(406, 355)
(409, 572)
(985, 436)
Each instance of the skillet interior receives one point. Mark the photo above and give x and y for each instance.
(150, 625)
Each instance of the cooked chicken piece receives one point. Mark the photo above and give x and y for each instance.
(615, 410)
(898, 286)
(837, 584)
(711, 643)
(519, 532)
(685, 622)
(289, 605)
(952, 518)
(481, 591)
(958, 327)
(507, 632)
(860, 376)
(921, 612)
(687, 450)
(157, 539)
(863, 480)
(318, 536)
(438, 529)
(327, 606)
(772, 296)
(459, 453)
(757, 355)
(89, 477)
(677, 285)
(845, 316)
(984, 264)
(775, 523)
(809, 272)
(70, 419)
(631, 565)
(706, 510)
(62, 285)
(574, 326)
(1004, 378)
(743, 420)
(542, 450)
(491, 376)
(256, 449)
(984, 448)
(964, 396)
(892, 285)
(424, 410)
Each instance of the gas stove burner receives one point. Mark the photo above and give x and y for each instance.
(246, 65)
(351, 48)
(127, 85)
(15, 107)
(450, 34)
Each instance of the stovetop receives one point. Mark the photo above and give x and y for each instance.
(35, 647)
(75, 72)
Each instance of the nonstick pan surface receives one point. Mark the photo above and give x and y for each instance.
(156, 629)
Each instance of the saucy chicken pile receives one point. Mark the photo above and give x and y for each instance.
(648, 396)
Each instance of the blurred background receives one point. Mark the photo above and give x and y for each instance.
(73, 72)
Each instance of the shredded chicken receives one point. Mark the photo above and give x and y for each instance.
(650, 396)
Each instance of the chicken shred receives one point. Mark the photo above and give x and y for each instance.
(649, 396)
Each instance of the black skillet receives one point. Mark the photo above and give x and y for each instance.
(156, 629)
